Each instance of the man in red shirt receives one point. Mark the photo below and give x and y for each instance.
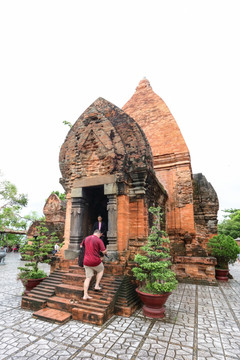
(92, 261)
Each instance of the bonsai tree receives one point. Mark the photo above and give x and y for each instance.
(153, 270)
(37, 250)
(225, 249)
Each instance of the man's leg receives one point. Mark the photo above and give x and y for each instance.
(85, 288)
(99, 277)
(89, 274)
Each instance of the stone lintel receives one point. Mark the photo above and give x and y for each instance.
(94, 181)
(110, 189)
(77, 192)
(210, 260)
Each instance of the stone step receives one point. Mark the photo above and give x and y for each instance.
(43, 291)
(93, 317)
(32, 303)
(69, 291)
(46, 287)
(73, 279)
(37, 296)
(54, 315)
(67, 304)
(49, 281)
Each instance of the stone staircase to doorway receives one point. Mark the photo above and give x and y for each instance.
(117, 296)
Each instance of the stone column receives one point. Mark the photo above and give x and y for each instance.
(112, 222)
(111, 191)
(76, 232)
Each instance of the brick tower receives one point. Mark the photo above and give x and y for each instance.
(107, 167)
(189, 228)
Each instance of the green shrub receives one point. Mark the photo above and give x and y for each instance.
(153, 270)
(225, 249)
(37, 250)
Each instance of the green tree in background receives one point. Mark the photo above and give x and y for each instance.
(62, 196)
(231, 223)
(11, 205)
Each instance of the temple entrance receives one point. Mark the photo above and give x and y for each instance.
(96, 204)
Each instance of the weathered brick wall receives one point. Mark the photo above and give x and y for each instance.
(104, 140)
(206, 207)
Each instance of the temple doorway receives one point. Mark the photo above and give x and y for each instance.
(96, 205)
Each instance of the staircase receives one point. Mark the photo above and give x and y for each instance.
(65, 301)
(37, 298)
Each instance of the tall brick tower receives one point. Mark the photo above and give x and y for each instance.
(188, 227)
(171, 156)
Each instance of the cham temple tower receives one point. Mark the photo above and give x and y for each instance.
(119, 162)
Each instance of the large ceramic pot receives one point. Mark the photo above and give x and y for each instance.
(30, 284)
(222, 274)
(153, 304)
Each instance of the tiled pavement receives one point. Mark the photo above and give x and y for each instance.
(202, 322)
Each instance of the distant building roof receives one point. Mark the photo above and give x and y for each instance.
(10, 231)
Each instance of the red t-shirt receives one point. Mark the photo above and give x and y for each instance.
(93, 246)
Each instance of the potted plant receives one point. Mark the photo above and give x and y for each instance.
(37, 250)
(154, 269)
(225, 249)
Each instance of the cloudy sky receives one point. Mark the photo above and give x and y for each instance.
(57, 57)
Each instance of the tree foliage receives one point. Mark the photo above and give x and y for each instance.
(62, 196)
(153, 269)
(37, 250)
(11, 205)
(11, 202)
(231, 223)
(224, 248)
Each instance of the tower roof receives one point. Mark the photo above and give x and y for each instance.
(156, 120)
(104, 140)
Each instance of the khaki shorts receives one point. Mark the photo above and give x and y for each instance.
(89, 270)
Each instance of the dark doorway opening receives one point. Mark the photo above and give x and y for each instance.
(96, 205)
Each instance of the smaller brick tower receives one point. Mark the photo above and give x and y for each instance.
(107, 167)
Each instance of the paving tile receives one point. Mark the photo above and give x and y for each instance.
(182, 335)
(44, 349)
(12, 341)
(86, 355)
(125, 346)
(11, 301)
(120, 323)
(152, 349)
(210, 341)
(139, 326)
(184, 318)
(14, 316)
(73, 333)
(161, 331)
(35, 327)
(178, 352)
(102, 343)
